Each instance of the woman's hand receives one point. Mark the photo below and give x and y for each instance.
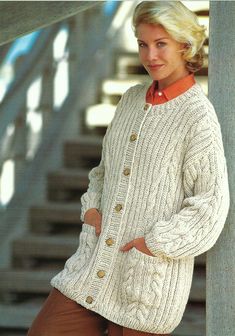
(94, 217)
(139, 244)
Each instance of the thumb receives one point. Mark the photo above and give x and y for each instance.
(98, 229)
(126, 247)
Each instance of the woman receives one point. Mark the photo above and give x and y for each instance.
(158, 198)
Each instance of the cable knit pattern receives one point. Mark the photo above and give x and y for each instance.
(162, 176)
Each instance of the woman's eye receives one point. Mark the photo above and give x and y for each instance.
(140, 44)
(161, 44)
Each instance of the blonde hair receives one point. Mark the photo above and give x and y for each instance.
(181, 23)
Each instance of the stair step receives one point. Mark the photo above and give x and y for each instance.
(57, 247)
(193, 322)
(129, 64)
(118, 86)
(37, 281)
(67, 184)
(82, 150)
(113, 88)
(48, 215)
(99, 115)
(10, 332)
(26, 281)
(45, 246)
(21, 315)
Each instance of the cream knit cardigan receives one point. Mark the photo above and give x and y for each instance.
(162, 176)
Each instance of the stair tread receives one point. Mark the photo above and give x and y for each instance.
(85, 141)
(87, 138)
(21, 315)
(61, 207)
(45, 246)
(117, 86)
(68, 178)
(38, 281)
(55, 212)
(70, 171)
(31, 239)
(51, 245)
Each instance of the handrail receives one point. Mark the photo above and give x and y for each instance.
(26, 17)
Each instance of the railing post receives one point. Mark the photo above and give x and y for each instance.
(18, 152)
(76, 47)
(20, 143)
(47, 90)
(220, 289)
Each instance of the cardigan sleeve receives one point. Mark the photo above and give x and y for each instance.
(92, 197)
(196, 227)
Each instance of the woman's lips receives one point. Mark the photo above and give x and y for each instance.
(155, 67)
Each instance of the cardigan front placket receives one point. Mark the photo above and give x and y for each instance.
(107, 253)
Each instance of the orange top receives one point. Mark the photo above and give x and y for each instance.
(155, 96)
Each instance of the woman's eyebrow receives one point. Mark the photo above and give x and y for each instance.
(161, 38)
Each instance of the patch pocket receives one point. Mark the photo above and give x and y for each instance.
(142, 279)
(86, 247)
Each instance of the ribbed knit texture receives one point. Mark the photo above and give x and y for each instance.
(176, 195)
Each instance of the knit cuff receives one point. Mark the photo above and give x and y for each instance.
(91, 203)
(153, 245)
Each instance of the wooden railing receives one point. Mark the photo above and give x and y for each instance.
(89, 51)
(86, 36)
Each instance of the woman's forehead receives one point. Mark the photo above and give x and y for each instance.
(148, 30)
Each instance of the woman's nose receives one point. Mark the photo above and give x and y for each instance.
(152, 54)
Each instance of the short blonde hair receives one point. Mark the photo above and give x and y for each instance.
(181, 23)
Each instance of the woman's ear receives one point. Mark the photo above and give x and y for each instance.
(187, 45)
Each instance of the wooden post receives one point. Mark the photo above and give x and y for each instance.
(76, 44)
(47, 93)
(20, 144)
(220, 289)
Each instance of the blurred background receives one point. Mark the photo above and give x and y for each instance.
(59, 86)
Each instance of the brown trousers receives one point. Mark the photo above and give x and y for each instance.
(63, 316)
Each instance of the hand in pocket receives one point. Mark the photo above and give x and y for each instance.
(94, 217)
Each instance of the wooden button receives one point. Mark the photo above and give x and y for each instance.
(109, 241)
(133, 137)
(118, 207)
(146, 106)
(127, 171)
(101, 274)
(89, 299)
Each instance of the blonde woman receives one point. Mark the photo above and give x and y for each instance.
(158, 198)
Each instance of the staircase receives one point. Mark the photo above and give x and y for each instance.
(54, 224)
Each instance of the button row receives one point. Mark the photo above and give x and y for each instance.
(118, 207)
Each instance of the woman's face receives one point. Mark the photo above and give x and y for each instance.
(157, 47)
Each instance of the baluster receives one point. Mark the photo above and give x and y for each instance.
(75, 47)
(20, 142)
(18, 150)
(46, 104)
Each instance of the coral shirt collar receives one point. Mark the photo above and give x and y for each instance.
(172, 91)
